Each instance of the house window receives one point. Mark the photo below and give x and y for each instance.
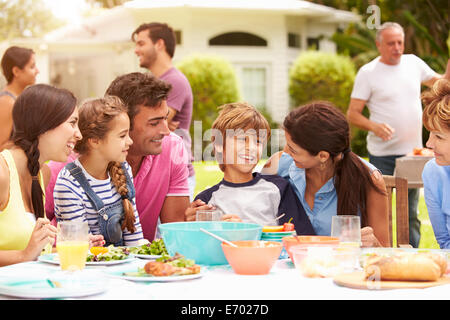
(254, 84)
(238, 39)
(177, 36)
(313, 43)
(294, 40)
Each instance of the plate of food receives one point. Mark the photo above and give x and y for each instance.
(164, 269)
(151, 251)
(97, 256)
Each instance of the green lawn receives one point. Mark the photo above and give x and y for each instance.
(207, 174)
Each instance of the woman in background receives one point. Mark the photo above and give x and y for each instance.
(20, 70)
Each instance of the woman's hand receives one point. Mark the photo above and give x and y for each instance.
(231, 218)
(43, 233)
(96, 240)
(368, 238)
(189, 214)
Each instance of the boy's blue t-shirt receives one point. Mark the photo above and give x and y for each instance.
(259, 201)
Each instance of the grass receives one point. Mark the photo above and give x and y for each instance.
(207, 174)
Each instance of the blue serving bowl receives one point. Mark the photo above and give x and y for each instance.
(187, 239)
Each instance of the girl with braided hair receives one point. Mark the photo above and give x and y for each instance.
(45, 128)
(98, 186)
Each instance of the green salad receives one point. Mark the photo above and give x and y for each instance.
(114, 253)
(155, 248)
(177, 260)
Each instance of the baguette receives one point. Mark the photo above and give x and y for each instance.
(406, 267)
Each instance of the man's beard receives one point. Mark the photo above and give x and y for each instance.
(148, 61)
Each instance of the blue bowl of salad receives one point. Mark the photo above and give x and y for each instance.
(187, 239)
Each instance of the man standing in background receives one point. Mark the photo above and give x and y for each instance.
(390, 86)
(155, 48)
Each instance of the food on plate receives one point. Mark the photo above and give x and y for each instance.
(317, 266)
(97, 250)
(272, 229)
(156, 248)
(406, 266)
(167, 266)
(288, 226)
(111, 253)
(423, 152)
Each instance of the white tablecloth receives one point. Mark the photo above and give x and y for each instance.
(284, 282)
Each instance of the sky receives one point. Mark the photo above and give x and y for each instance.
(67, 10)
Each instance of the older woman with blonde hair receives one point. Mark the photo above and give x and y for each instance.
(436, 174)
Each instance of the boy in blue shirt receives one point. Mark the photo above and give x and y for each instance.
(239, 135)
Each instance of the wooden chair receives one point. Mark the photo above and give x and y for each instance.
(401, 209)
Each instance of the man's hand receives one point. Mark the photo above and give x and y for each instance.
(198, 204)
(383, 130)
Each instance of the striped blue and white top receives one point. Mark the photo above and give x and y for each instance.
(72, 202)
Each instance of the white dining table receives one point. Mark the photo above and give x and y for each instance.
(284, 282)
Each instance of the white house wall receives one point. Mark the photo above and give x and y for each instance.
(87, 67)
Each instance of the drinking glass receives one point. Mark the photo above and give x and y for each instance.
(208, 215)
(72, 244)
(348, 229)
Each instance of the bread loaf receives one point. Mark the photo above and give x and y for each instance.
(406, 267)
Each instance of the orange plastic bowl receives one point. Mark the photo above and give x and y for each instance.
(306, 241)
(252, 257)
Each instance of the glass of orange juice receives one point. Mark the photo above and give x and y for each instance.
(72, 244)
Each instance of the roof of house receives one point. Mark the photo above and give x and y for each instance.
(105, 27)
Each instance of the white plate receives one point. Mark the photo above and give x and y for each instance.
(119, 273)
(33, 288)
(147, 256)
(53, 259)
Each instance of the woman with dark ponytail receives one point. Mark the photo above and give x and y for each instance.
(98, 186)
(45, 128)
(327, 176)
(20, 70)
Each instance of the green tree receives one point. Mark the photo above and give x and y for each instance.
(25, 18)
(321, 76)
(426, 24)
(214, 83)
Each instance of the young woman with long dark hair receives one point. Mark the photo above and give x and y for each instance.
(328, 178)
(45, 128)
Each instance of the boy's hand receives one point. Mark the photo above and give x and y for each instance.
(189, 214)
(231, 218)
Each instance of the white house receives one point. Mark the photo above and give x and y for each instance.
(260, 38)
